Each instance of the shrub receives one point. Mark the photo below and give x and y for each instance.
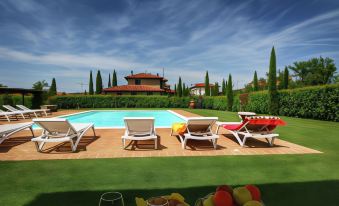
(15, 99)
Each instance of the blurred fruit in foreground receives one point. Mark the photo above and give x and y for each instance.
(255, 192)
(241, 195)
(222, 198)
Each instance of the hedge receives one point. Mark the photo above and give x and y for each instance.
(317, 102)
(15, 99)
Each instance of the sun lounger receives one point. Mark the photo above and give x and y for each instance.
(9, 129)
(22, 113)
(7, 115)
(60, 130)
(139, 128)
(257, 127)
(24, 108)
(242, 116)
(199, 128)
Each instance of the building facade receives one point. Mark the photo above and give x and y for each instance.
(199, 89)
(141, 84)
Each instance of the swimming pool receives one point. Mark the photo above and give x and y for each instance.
(115, 118)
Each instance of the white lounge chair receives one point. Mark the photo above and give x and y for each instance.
(139, 128)
(199, 128)
(24, 108)
(7, 115)
(60, 130)
(22, 113)
(9, 129)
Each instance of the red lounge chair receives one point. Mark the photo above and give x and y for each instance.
(255, 127)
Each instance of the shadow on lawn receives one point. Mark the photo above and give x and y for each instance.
(303, 193)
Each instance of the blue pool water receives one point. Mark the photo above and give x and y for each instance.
(116, 118)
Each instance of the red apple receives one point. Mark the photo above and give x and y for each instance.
(255, 192)
(226, 188)
(222, 198)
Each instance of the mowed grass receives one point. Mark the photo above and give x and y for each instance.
(311, 179)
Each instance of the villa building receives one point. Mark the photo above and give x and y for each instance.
(141, 84)
(199, 89)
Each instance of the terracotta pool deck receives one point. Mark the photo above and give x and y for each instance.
(107, 144)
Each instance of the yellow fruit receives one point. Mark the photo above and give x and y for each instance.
(177, 196)
(208, 201)
(253, 203)
(242, 195)
(140, 201)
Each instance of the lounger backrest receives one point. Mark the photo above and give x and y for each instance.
(10, 108)
(263, 123)
(22, 107)
(55, 125)
(200, 124)
(139, 125)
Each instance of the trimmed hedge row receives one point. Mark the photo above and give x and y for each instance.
(319, 102)
(15, 99)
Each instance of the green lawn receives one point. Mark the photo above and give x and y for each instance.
(284, 179)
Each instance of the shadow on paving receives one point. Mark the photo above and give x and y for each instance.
(280, 194)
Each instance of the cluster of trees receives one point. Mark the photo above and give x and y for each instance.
(39, 85)
(99, 84)
(181, 89)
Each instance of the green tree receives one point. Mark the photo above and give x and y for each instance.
(109, 81)
(223, 87)
(216, 89)
(314, 71)
(53, 88)
(98, 83)
(39, 85)
(91, 88)
(229, 92)
(285, 79)
(183, 89)
(280, 79)
(85, 92)
(255, 82)
(207, 85)
(175, 90)
(273, 101)
(114, 79)
(179, 88)
(2, 85)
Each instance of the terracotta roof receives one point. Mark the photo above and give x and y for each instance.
(144, 76)
(133, 88)
(201, 85)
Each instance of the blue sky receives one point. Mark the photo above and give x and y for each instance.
(66, 39)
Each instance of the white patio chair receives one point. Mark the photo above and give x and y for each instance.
(7, 115)
(24, 108)
(22, 113)
(139, 128)
(60, 130)
(9, 129)
(199, 128)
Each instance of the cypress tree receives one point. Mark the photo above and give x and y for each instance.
(229, 93)
(183, 89)
(85, 92)
(114, 79)
(98, 88)
(255, 82)
(175, 90)
(90, 89)
(109, 81)
(223, 86)
(53, 88)
(179, 88)
(273, 102)
(216, 89)
(207, 85)
(285, 79)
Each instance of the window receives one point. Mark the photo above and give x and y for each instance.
(133, 93)
(149, 93)
(137, 81)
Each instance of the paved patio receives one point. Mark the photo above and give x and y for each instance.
(107, 144)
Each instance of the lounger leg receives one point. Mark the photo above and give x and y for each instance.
(35, 114)
(214, 141)
(7, 118)
(73, 146)
(171, 132)
(45, 113)
(216, 132)
(94, 131)
(31, 128)
(270, 141)
(156, 143)
(185, 142)
(235, 134)
(23, 116)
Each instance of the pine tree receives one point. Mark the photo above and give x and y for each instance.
(207, 85)
(255, 82)
(223, 86)
(53, 88)
(114, 79)
(91, 89)
(109, 81)
(273, 102)
(98, 88)
(183, 89)
(286, 78)
(179, 88)
(229, 93)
